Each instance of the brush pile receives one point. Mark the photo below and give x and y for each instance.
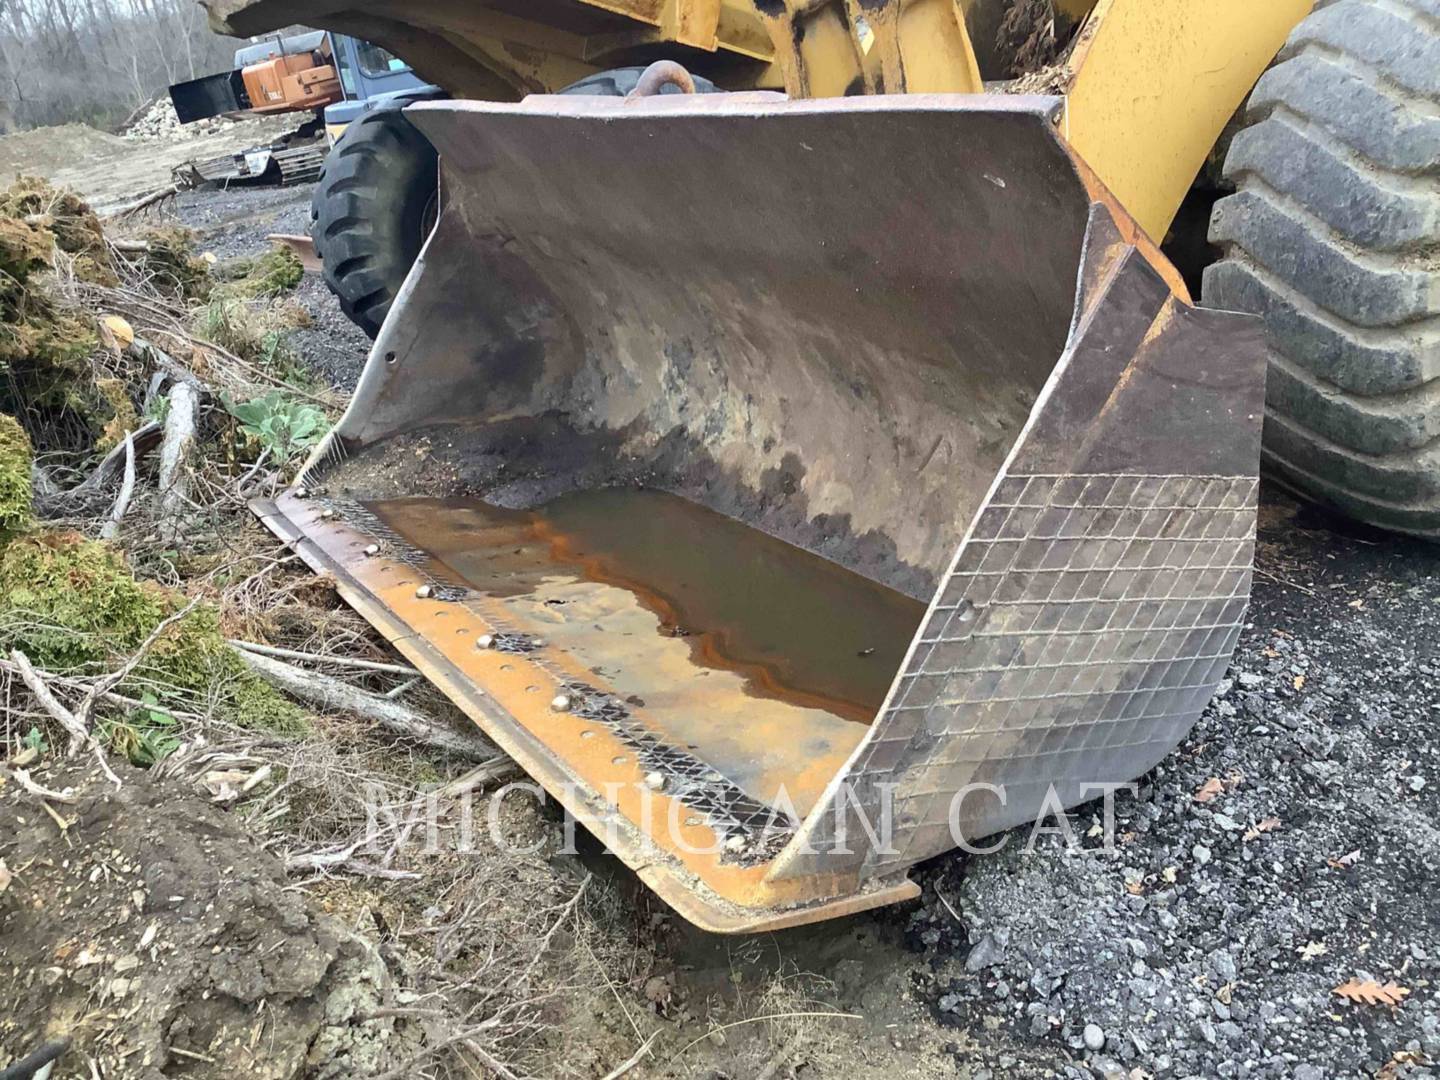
(188, 708)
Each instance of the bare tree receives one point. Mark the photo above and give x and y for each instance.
(96, 61)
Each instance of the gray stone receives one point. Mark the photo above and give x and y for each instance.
(1094, 1036)
(987, 952)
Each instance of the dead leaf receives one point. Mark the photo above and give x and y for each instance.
(659, 989)
(25, 758)
(116, 332)
(1210, 789)
(1262, 826)
(1391, 1069)
(1357, 604)
(1299, 681)
(1344, 862)
(1312, 949)
(1371, 992)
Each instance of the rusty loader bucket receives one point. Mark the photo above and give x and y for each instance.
(795, 489)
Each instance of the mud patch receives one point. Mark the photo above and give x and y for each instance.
(160, 937)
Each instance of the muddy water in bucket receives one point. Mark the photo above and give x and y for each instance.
(761, 658)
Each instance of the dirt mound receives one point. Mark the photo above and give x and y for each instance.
(42, 151)
(160, 936)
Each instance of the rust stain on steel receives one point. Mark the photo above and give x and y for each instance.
(602, 638)
(569, 754)
(795, 627)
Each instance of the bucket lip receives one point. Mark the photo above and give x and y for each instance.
(761, 103)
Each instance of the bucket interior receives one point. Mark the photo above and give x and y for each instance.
(762, 660)
(712, 423)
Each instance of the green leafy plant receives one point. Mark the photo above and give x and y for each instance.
(35, 740)
(158, 409)
(280, 424)
(147, 736)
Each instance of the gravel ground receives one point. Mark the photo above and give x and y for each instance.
(1209, 943)
(234, 224)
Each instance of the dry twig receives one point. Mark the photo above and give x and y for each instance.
(22, 777)
(317, 658)
(111, 528)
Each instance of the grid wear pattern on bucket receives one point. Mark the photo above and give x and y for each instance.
(1085, 614)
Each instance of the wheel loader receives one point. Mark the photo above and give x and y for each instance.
(805, 478)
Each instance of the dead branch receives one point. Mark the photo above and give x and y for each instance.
(110, 696)
(328, 402)
(319, 658)
(90, 492)
(180, 422)
(22, 777)
(144, 202)
(165, 363)
(464, 1038)
(325, 692)
(111, 528)
(79, 734)
(488, 772)
(635, 1059)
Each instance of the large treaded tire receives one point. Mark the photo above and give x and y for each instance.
(1333, 235)
(371, 209)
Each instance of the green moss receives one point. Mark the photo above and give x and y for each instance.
(69, 222)
(45, 370)
(123, 415)
(15, 494)
(72, 604)
(265, 277)
(273, 274)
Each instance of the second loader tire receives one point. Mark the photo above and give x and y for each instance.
(372, 208)
(1333, 235)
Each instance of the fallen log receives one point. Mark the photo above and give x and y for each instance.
(180, 422)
